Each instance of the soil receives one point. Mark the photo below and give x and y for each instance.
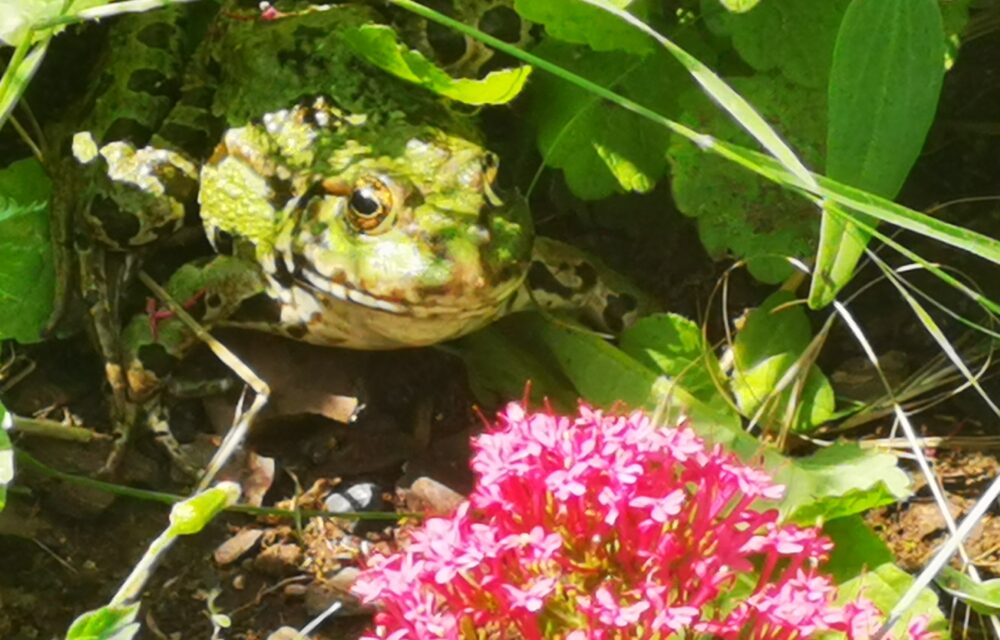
(65, 548)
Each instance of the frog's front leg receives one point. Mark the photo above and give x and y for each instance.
(153, 345)
(105, 329)
(137, 196)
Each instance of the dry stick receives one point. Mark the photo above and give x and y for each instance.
(243, 419)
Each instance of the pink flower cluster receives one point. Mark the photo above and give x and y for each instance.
(606, 527)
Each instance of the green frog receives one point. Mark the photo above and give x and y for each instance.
(348, 208)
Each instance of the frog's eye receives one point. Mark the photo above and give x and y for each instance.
(369, 205)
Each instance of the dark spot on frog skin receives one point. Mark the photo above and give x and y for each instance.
(587, 275)
(617, 308)
(282, 276)
(196, 140)
(117, 225)
(128, 129)
(282, 190)
(213, 301)
(154, 83)
(157, 35)
(200, 96)
(154, 357)
(223, 242)
(540, 278)
(258, 309)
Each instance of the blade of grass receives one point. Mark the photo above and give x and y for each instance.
(23, 65)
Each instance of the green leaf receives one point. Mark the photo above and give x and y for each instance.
(581, 23)
(884, 586)
(888, 67)
(27, 279)
(674, 346)
(113, 622)
(6, 455)
(856, 548)
(982, 597)
(738, 212)
(606, 376)
(379, 45)
(770, 343)
(841, 480)
(191, 515)
(796, 38)
(601, 148)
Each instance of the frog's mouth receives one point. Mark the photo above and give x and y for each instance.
(322, 285)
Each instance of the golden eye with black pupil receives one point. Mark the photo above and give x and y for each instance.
(369, 204)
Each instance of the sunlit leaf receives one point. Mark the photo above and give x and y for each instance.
(113, 622)
(883, 586)
(379, 45)
(771, 342)
(601, 148)
(888, 67)
(580, 23)
(674, 346)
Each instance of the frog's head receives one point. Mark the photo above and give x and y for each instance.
(373, 234)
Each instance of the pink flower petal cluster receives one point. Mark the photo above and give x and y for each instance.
(605, 526)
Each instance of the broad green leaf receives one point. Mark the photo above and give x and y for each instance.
(606, 376)
(601, 148)
(884, 586)
(856, 548)
(113, 622)
(580, 23)
(6, 456)
(792, 36)
(738, 212)
(26, 276)
(379, 45)
(841, 480)
(191, 515)
(982, 597)
(771, 341)
(674, 346)
(888, 66)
